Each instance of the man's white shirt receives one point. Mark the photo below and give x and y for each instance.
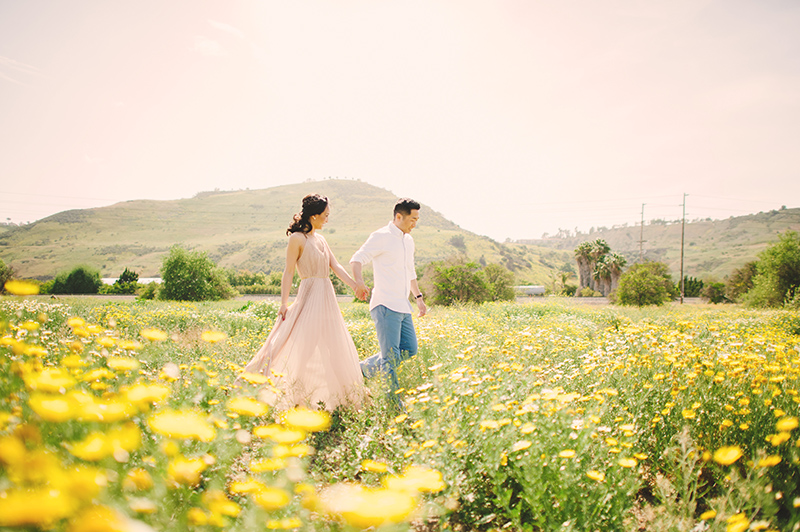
(392, 255)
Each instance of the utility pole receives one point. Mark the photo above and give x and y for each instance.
(641, 237)
(683, 232)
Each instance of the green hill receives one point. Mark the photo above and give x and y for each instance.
(244, 230)
(712, 248)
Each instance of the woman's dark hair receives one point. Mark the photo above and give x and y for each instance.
(312, 204)
(405, 206)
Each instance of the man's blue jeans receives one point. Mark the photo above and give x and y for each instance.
(398, 342)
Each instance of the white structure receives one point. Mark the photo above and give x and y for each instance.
(530, 290)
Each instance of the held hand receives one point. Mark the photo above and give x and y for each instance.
(423, 308)
(282, 311)
(362, 292)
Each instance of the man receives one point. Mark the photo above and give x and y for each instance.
(391, 251)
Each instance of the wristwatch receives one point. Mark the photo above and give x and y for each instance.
(417, 297)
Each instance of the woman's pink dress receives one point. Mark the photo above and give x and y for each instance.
(310, 357)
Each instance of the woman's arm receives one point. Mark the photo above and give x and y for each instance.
(293, 251)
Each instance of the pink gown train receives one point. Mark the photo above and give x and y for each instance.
(310, 357)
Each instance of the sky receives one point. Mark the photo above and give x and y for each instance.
(512, 118)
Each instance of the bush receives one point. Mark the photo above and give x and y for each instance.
(127, 283)
(740, 281)
(81, 280)
(692, 287)
(647, 283)
(777, 273)
(192, 276)
(500, 283)
(6, 274)
(588, 292)
(456, 282)
(150, 291)
(715, 292)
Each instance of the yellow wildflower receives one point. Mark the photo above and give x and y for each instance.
(416, 479)
(279, 434)
(769, 461)
(186, 470)
(182, 424)
(247, 406)
(710, 514)
(137, 479)
(34, 508)
(307, 420)
(786, 424)
(627, 462)
(520, 446)
(154, 335)
(375, 467)
(21, 288)
(596, 475)
(213, 337)
(55, 408)
(122, 363)
(254, 378)
(267, 464)
(567, 453)
(727, 455)
(271, 498)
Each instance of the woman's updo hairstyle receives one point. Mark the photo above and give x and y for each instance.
(312, 204)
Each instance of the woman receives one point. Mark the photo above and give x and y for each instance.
(309, 356)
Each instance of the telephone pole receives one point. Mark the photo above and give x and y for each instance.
(683, 232)
(641, 236)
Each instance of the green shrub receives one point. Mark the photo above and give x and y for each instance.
(150, 291)
(500, 283)
(192, 276)
(6, 274)
(648, 283)
(777, 273)
(80, 280)
(741, 281)
(692, 287)
(715, 292)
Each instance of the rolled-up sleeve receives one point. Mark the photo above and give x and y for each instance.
(368, 250)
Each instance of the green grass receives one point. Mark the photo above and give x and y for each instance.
(539, 416)
(244, 230)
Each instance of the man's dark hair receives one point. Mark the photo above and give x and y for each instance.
(404, 206)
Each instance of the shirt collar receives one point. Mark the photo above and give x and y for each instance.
(395, 230)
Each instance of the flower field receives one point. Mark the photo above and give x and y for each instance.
(541, 416)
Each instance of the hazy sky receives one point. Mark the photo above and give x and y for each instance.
(511, 118)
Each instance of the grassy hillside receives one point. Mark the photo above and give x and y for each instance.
(713, 248)
(244, 230)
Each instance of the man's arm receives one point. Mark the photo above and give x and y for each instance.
(362, 291)
(415, 291)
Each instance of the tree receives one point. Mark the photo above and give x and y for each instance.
(192, 276)
(714, 292)
(6, 274)
(127, 283)
(583, 258)
(500, 282)
(648, 283)
(80, 280)
(692, 286)
(456, 281)
(777, 273)
(741, 281)
(599, 268)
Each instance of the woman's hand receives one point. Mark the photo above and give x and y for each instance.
(282, 311)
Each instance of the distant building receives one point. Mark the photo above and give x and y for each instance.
(530, 290)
